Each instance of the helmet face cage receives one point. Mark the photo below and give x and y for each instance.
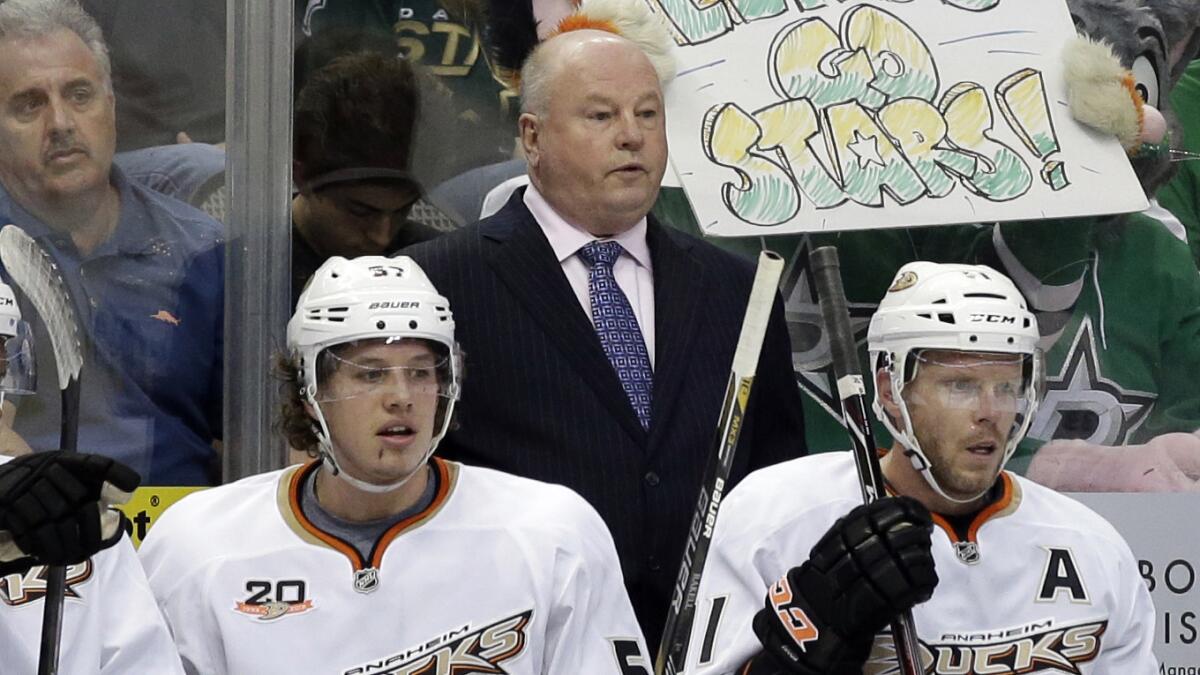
(440, 378)
(370, 298)
(960, 308)
(18, 364)
(18, 367)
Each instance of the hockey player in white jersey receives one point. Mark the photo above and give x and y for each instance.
(378, 558)
(55, 510)
(1003, 575)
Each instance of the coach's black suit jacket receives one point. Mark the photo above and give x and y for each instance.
(540, 398)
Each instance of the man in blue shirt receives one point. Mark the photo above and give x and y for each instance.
(146, 271)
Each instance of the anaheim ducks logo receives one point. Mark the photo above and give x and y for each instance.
(273, 609)
(1037, 647)
(458, 652)
(906, 280)
(21, 589)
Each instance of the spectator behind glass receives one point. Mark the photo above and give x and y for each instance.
(443, 37)
(353, 130)
(146, 271)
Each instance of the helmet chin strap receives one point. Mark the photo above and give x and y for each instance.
(325, 446)
(926, 472)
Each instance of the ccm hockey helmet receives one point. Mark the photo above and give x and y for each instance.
(963, 308)
(19, 366)
(371, 298)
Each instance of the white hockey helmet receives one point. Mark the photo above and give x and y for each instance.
(19, 366)
(963, 308)
(371, 298)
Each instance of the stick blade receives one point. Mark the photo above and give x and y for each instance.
(35, 272)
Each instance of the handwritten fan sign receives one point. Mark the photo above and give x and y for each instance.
(810, 115)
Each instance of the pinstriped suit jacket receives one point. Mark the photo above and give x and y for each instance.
(540, 398)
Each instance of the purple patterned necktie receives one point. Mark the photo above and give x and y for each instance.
(617, 327)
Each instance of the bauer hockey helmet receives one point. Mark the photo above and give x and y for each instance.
(964, 308)
(19, 365)
(371, 298)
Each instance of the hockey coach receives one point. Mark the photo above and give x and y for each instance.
(599, 340)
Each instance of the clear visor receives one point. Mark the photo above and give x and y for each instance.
(18, 364)
(409, 368)
(984, 383)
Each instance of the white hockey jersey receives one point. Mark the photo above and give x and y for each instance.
(111, 624)
(1041, 585)
(499, 574)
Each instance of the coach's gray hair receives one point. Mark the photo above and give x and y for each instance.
(536, 73)
(37, 18)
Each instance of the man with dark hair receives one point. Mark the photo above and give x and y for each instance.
(353, 145)
(446, 39)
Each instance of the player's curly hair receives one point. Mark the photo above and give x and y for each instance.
(293, 422)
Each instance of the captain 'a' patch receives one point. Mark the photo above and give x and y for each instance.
(462, 650)
(20, 589)
(1060, 575)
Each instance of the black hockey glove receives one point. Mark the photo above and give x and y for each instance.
(54, 508)
(873, 564)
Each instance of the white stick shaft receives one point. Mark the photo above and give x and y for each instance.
(682, 612)
(758, 312)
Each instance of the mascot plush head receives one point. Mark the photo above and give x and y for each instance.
(515, 27)
(1128, 56)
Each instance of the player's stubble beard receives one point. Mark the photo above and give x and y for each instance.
(958, 482)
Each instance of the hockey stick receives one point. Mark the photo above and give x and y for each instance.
(34, 271)
(673, 649)
(848, 375)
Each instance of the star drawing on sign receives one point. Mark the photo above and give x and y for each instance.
(866, 149)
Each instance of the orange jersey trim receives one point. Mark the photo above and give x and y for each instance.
(1006, 504)
(445, 481)
(447, 477)
(329, 540)
(1009, 499)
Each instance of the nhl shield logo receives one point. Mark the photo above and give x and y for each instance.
(967, 552)
(366, 580)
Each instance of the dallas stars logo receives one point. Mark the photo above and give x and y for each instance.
(1081, 403)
